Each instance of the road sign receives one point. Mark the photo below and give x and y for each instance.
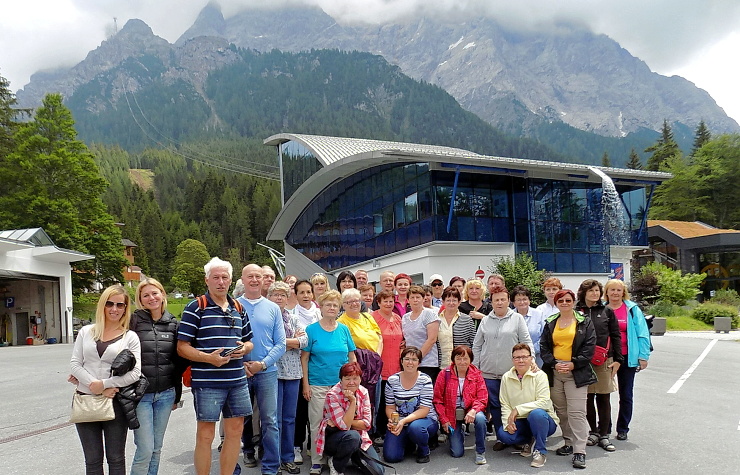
(9, 302)
(479, 274)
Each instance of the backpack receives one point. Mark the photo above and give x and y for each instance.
(187, 375)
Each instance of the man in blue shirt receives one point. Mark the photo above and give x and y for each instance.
(269, 345)
(219, 382)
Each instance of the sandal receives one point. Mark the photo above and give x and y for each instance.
(605, 444)
(592, 440)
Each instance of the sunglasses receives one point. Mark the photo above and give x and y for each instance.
(109, 304)
(437, 284)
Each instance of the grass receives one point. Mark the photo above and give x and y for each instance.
(686, 323)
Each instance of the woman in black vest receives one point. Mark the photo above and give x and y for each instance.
(157, 331)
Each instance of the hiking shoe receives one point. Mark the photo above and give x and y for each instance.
(290, 467)
(526, 450)
(565, 450)
(332, 470)
(480, 459)
(315, 469)
(622, 436)
(422, 458)
(297, 457)
(538, 459)
(250, 461)
(579, 460)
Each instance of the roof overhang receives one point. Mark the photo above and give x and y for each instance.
(343, 157)
(710, 242)
(59, 255)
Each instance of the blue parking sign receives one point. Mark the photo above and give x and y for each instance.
(9, 302)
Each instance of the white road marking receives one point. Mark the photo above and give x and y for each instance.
(674, 389)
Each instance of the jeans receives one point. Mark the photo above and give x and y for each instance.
(494, 405)
(287, 402)
(418, 432)
(211, 403)
(343, 446)
(92, 436)
(301, 421)
(264, 387)
(457, 437)
(153, 412)
(626, 382)
(538, 425)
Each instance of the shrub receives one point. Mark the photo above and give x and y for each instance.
(666, 309)
(522, 271)
(673, 285)
(726, 297)
(707, 311)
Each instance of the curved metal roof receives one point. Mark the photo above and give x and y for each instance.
(341, 157)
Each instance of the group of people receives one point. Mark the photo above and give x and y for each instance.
(342, 372)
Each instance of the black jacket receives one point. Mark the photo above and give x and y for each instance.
(128, 396)
(160, 362)
(584, 344)
(607, 328)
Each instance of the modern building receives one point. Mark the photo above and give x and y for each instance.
(423, 209)
(36, 287)
(698, 247)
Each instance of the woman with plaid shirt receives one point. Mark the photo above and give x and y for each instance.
(347, 418)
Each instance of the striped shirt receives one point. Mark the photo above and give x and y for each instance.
(210, 329)
(407, 401)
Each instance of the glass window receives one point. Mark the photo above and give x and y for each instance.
(398, 212)
(411, 209)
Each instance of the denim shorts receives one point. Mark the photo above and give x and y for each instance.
(211, 402)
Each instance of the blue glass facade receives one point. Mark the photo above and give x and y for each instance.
(390, 208)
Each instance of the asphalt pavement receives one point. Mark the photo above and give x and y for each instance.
(686, 419)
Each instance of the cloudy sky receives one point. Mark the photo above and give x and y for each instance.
(696, 39)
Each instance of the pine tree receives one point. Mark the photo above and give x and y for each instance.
(701, 137)
(663, 149)
(605, 160)
(634, 162)
(8, 118)
(51, 181)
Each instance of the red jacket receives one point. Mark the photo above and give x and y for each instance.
(475, 394)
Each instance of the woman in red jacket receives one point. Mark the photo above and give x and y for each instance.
(461, 377)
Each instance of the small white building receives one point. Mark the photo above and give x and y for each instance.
(35, 287)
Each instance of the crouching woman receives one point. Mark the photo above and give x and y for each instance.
(343, 431)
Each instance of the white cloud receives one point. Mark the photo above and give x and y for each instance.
(671, 36)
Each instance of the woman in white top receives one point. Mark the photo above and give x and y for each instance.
(96, 347)
(420, 329)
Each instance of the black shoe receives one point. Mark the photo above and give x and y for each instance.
(579, 460)
(422, 459)
(565, 450)
(499, 446)
(622, 436)
(250, 461)
(290, 467)
(433, 443)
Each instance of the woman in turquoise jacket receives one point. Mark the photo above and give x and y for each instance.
(635, 349)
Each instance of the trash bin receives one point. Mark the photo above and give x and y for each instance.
(29, 340)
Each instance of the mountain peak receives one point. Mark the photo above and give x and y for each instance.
(210, 22)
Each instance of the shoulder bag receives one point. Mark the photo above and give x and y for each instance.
(91, 408)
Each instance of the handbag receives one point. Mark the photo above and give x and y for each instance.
(91, 408)
(601, 354)
(368, 465)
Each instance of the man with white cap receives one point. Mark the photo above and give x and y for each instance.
(438, 286)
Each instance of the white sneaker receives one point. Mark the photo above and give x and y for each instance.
(480, 459)
(332, 470)
(297, 457)
(538, 459)
(442, 438)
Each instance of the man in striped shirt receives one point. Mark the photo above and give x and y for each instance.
(219, 381)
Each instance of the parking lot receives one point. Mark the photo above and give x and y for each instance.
(687, 418)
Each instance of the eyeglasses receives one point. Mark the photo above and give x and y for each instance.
(521, 358)
(565, 301)
(109, 304)
(410, 360)
(352, 302)
(232, 318)
(437, 284)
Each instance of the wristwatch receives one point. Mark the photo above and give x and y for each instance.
(264, 365)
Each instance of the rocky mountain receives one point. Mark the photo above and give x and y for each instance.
(513, 80)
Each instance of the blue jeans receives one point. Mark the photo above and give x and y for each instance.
(287, 403)
(626, 382)
(494, 405)
(538, 425)
(264, 388)
(418, 432)
(153, 413)
(457, 438)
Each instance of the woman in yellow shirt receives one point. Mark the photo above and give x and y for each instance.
(567, 346)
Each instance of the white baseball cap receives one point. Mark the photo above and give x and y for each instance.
(435, 277)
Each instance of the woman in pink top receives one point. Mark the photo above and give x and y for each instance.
(403, 284)
(390, 328)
